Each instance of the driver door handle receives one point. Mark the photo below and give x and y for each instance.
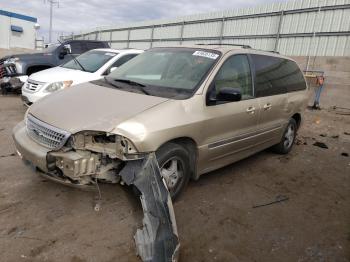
(250, 110)
(267, 106)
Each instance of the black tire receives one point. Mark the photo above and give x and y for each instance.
(165, 155)
(285, 146)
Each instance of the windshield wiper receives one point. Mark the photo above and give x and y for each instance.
(129, 82)
(75, 60)
(140, 86)
(110, 82)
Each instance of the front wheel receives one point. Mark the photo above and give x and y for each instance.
(174, 164)
(288, 138)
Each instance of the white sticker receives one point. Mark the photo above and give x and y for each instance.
(206, 54)
(110, 54)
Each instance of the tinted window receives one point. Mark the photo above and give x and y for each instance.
(276, 75)
(235, 73)
(94, 45)
(76, 48)
(123, 60)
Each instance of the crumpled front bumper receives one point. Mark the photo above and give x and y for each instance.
(158, 240)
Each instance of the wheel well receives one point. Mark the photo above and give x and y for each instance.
(297, 118)
(34, 69)
(191, 146)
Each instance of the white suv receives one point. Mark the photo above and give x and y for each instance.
(86, 67)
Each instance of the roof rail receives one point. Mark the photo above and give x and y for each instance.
(270, 51)
(273, 51)
(243, 46)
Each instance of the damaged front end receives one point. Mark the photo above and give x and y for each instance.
(94, 156)
(87, 157)
(90, 156)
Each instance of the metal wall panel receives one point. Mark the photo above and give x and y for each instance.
(104, 36)
(299, 27)
(167, 32)
(202, 29)
(120, 35)
(138, 34)
(119, 45)
(140, 45)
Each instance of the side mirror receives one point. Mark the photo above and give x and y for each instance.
(229, 94)
(66, 49)
(112, 69)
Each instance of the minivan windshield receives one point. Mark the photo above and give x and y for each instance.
(166, 72)
(91, 61)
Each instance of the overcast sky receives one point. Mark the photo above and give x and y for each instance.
(76, 15)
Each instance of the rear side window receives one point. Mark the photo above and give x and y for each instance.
(123, 60)
(274, 75)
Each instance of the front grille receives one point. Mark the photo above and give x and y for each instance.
(45, 134)
(7, 70)
(33, 86)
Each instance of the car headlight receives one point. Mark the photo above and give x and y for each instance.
(58, 86)
(11, 60)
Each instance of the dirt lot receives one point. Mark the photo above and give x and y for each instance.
(43, 221)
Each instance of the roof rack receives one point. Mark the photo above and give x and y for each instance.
(272, 51)
(243, 46)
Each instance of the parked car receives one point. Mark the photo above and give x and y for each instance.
(198, 108)
(89, 66)
(15, 69)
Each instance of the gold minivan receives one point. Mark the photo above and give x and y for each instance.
(197, 107)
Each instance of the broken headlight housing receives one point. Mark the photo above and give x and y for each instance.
(115, 146)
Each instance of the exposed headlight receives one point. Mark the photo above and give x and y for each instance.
(58, 86)
(11, 60)
(110, 144)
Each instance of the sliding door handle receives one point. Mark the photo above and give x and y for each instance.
(267, 106)
(250, 110)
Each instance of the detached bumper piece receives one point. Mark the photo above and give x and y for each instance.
(11, 85)
(158, 240)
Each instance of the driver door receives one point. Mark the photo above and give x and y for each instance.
(231, 126)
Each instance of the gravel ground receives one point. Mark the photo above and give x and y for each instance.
(216, 218)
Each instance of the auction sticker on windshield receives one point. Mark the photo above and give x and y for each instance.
(206, 54)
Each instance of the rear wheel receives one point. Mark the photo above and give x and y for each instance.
(174, 164)
(288, 138)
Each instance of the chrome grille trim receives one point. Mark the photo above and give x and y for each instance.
(33, 86)
(45, 134)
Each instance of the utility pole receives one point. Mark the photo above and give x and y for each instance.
(52, 3)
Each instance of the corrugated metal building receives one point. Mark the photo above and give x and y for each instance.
(16, 30)
(296, 28)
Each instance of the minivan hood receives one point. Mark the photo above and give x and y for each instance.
(58, 73)
(91, 107)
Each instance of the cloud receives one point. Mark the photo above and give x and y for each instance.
(74, 16)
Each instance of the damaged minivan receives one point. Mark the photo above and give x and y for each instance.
(198, 108)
